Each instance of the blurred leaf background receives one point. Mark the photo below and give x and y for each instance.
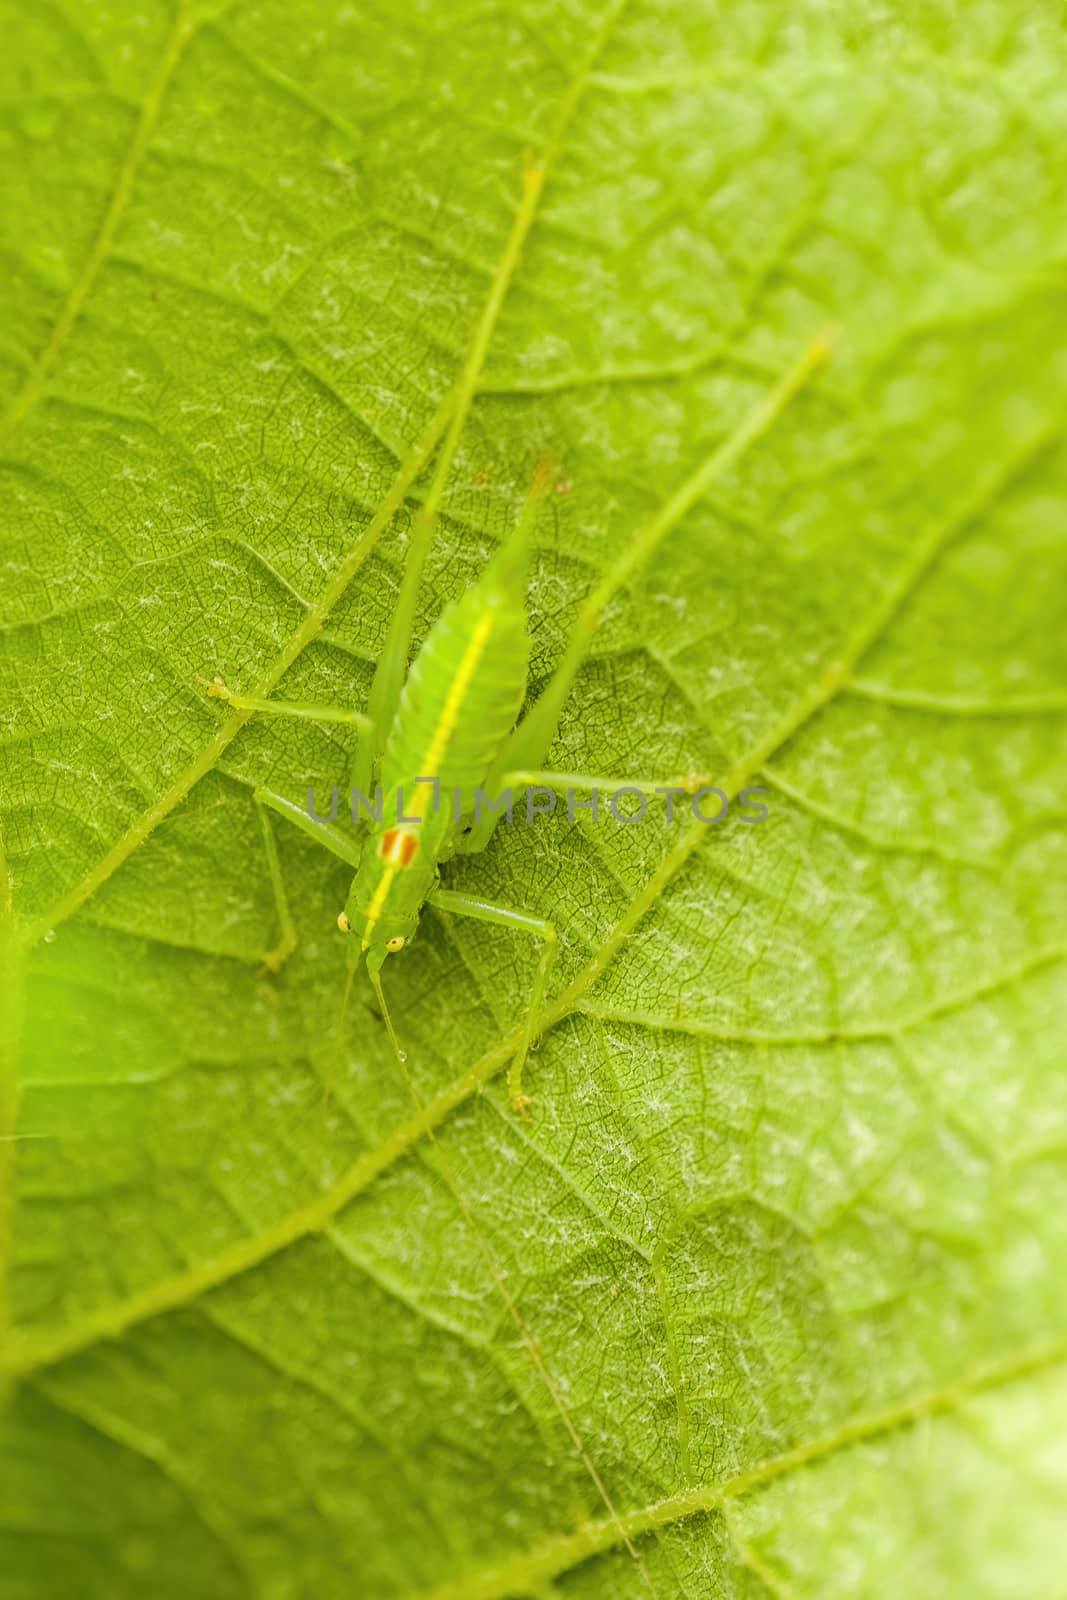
(789, 1221)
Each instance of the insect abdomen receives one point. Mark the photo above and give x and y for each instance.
(463, 693)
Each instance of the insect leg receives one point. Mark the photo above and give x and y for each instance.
(276, 957)
(392, 665)
(563, 782)
(393, 661)
(217, 690)
(466, 905)
(581, 780)
(531, 739)
(325, 833)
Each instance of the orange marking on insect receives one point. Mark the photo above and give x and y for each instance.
(398, 847)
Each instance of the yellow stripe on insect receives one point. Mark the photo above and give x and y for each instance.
(377, 905)
(396, 847)
(452, 709)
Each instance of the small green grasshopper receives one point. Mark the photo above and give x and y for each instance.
(451, 726)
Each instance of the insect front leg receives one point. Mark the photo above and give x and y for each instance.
(466, 905)
(276, 957)
(324, 833)
(341, 715)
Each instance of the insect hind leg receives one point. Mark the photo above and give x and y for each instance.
(531, 740)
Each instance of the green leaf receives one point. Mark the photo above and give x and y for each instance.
(784, 1239)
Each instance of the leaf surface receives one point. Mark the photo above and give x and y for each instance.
(787, 1224)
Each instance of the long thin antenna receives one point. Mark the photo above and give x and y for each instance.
(401, 1055)
(526, 1338)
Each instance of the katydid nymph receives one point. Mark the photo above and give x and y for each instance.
(450, 726)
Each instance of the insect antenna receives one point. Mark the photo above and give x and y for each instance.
(526, 1337)
(401, 1056)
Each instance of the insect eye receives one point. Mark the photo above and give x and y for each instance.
(343, 923)
(396, 943)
